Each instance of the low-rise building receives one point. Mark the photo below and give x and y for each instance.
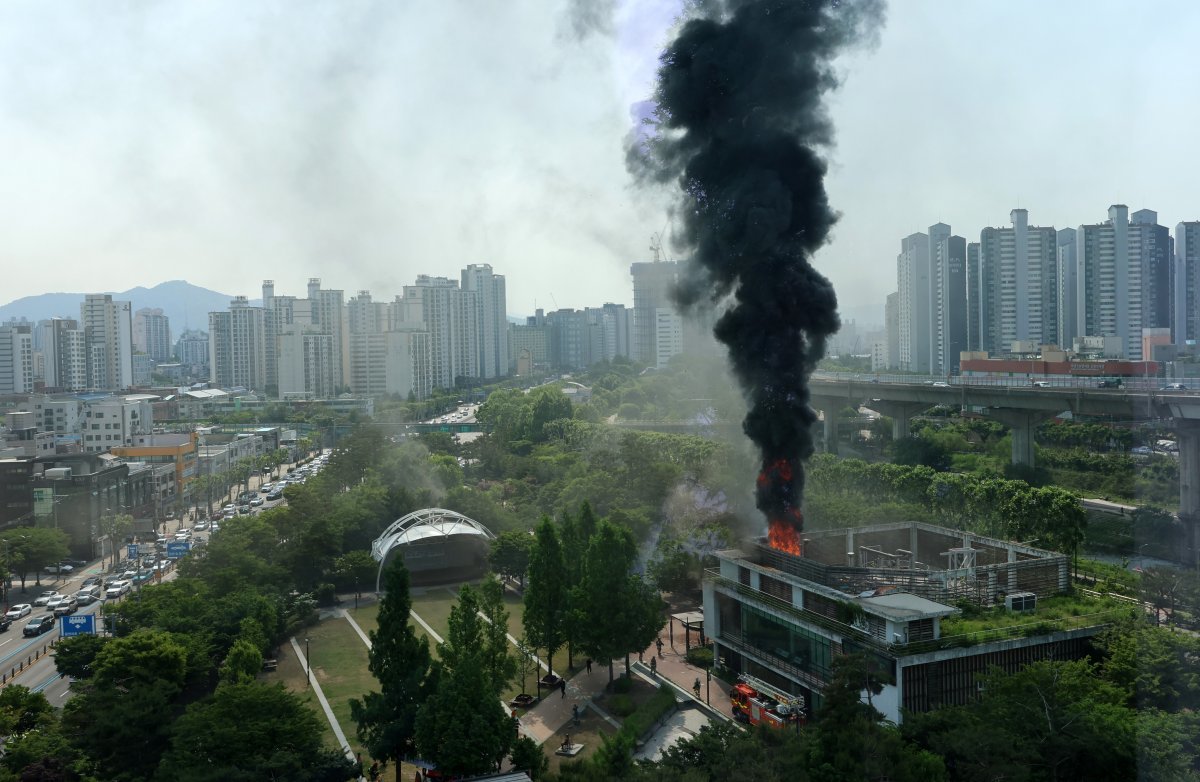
(895, 593)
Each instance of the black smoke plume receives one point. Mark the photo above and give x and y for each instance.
(739, 125)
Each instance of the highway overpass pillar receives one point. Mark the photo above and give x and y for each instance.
(899, 412)
(1188, 433)
(829, 407)
(1021, 423)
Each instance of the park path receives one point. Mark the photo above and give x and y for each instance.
(333, 721)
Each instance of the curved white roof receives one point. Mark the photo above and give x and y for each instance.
(425, 524)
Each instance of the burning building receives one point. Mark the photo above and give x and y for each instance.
(885, 591)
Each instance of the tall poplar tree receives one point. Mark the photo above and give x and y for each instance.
(546, 593)
(399, 659)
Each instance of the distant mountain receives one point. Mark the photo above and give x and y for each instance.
(186, 305)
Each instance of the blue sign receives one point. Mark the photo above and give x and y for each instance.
(177, 549)
(131, 551)
(77, 624)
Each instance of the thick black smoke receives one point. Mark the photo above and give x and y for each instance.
(740, 122)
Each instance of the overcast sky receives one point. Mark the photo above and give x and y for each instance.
(365, 143)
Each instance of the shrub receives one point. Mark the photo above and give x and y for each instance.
(700, 656)
(621, 705)
(622, 684)
(325, 594)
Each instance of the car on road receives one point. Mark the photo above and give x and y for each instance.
(90, 581)
(1141, 450)
(68, 606)
(5, 623)
(275, 494)
(19, 610)
(940, 384)
(1110, 383)
(45, 597)
(1174, 387)
(265, 488)
(60, 568)
(87, 595)
(256, 501)
(116, 589)
(56, 601)
(74, 562)
(200, 526)
(39, 625)
(215, 527)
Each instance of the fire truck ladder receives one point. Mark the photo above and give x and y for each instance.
(793, 702)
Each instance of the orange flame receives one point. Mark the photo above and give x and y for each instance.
(784, 537)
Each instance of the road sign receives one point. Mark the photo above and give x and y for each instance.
(177, 549)
(77, 624)
(131, 551)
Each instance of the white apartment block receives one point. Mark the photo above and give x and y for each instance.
(1018, 280)
(16, 360)
(891, 326)
(1070, 291)
(1125, 268)
(308, 363)
(115, 421)
(668, 335)
(61, 415)
(152, 334)
(448, 313)
(237, 346)
(491, 308)
(391, 362)
(329, 314)
(108, 331)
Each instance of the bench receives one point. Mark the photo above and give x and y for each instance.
(270, 665)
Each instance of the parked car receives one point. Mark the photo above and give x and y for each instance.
(45, 597)
(39, 625)
(1142, 450)
(87, 596)
(60, 568)
(68, 606)
(201, 526)
(74, 562)
(18, 611)
(275, 494)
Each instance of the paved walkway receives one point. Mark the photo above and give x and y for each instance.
(333, 721)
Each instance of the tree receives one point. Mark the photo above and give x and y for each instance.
(526, 659)
(74, 656)
(354, 568)
(250, 731)
(546, 595)
(510, 554)
(617, 612)
(145, 656)
(400, 661)
(527, 756)
(116, 527)
(30, 549)
(242, 664)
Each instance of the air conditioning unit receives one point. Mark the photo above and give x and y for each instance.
(1021, 601)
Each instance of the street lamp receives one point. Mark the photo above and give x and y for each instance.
(307, 664)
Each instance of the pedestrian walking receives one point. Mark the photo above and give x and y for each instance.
(588, 663)
(696, 686)
(658, 645)
(575, 713)
(653, 666)
(562, 687)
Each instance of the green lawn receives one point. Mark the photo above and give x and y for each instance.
(1062, 612)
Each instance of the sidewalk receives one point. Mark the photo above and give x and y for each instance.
(548, 715)
(673, 665)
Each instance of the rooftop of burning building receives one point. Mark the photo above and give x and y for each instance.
(903, 571)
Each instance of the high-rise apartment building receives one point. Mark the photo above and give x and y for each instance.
(974, 291)
(237, 346)
(329, 315)
(1126, 268)
(449, 314)
(16, 360)
(192, 350)
(388, 354)
(308, 363)
(652, 286)
(64, 355)
(891, 325)
(1069, 290)
(948, 297)
(1186, 304)
(108, 331)
(1018, 279)
(613, 320)
(912, 279)
(152, 334)
(491, 307)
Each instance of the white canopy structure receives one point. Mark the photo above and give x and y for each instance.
(423, 536)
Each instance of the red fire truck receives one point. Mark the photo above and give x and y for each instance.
(758, 703)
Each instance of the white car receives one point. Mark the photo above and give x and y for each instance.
(55, 602)
(116, 589)
(46, 597)
(19, 610)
